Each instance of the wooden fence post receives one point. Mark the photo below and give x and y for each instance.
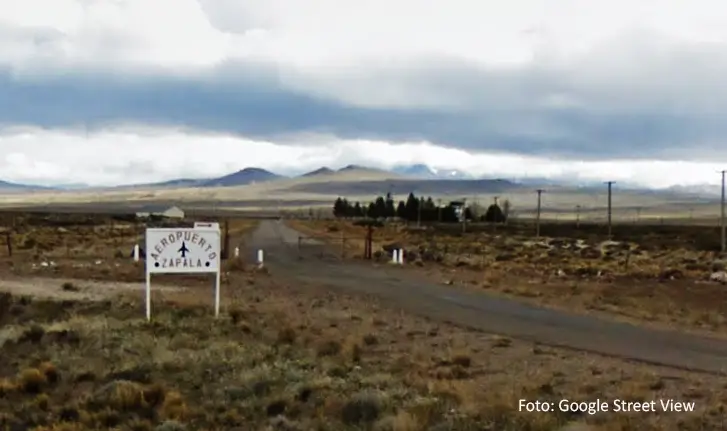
(368, 252)
(343, 245)
(226, 245)
(9, 243)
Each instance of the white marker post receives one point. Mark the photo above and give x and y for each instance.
(401, 256)
(237, 251)
(136, 253)
(395, 256)
(182, 251)
(260, 259)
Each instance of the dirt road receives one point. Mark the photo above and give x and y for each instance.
(43, 287)
(478, 310)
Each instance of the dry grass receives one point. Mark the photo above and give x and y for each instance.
(662, 278)
(298, 358)
(84, 246)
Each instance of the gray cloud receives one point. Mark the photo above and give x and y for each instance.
(632, 106)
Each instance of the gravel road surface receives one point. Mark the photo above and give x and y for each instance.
(316, 263)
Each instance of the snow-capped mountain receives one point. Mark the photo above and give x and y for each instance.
(427, 172)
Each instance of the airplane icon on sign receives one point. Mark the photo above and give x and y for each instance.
(183, 249)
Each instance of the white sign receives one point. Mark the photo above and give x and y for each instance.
(206, 225)
(182, 251)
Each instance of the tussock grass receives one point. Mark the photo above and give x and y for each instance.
(317, 368)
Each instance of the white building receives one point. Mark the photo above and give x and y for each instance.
(160, 211)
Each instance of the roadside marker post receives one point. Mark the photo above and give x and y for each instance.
(183, 251)
(260, 260)
(237, 251)
(401, 256)
(136, 253)
(395, 256)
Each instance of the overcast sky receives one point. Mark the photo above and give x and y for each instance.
(119, 91)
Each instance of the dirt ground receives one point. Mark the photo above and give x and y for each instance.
(84, 246)
(665, 276)
(285, 354)
(298, 358)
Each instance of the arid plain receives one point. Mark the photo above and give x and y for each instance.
(290, 353)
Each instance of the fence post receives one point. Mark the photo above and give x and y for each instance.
(343, 246)
(369, 242)
(226, 245)
(366, 248)
(9, 243)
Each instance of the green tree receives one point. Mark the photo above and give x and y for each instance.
(494, 214)
(401, 210)
(390, 208)
(380, 205)
(412, 207)
(339, 209)
(371, 210)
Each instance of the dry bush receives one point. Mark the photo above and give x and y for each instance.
(32, 380)
(234, 264)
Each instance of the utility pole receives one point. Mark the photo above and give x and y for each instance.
(390, 194)
(610, 183)
(721, 220)
(419, 211)
(496, 219)
(578, 216)
(537, 215)
(464, 215)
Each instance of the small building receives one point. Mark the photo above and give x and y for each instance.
(173, 212)
(459, 209)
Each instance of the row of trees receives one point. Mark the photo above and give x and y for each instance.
(418, 209)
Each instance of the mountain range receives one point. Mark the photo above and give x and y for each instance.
(404, 174)
(427, 172)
